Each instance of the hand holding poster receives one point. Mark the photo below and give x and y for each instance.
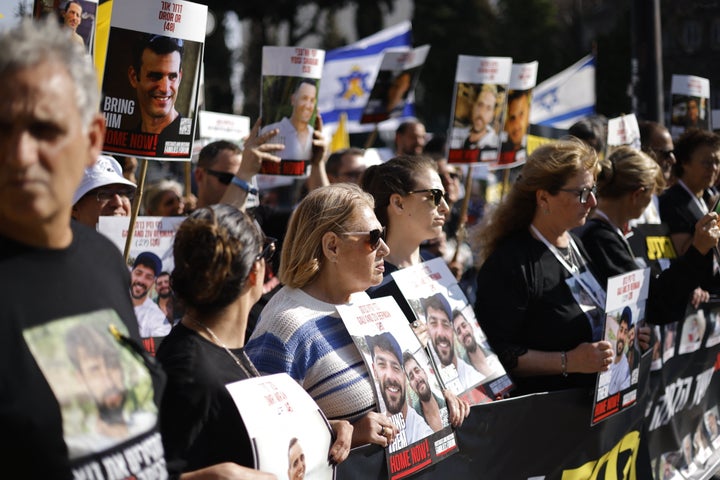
(481, 85)
(459, 348)
(290, 435)
(394, 84)
(406, 388)
(625, 313)
(513, 150)
(290, 81)
(151, 78)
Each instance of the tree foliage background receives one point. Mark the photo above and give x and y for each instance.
(556, 33)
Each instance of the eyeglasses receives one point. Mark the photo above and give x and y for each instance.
(437, 194)
(375, 236)
(268, 250)
(223, 177)
(583, 193)
(104, 196)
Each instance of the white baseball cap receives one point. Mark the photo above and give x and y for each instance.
(106, 171)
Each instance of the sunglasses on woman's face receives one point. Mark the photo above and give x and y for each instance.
(268, 250)
(437, 194)
(375, 236)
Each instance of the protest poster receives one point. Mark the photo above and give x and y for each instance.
(689, 104)
(290, 435)
(151, 78)
(623, 130)
(395, 84)
(76, 15)
(223, 126)
(652, 243)
(616, 388)
(682, 417)
(406, 388)
(290, 82)
(151, 263)
(481, 85)
(459, 348)
(513, 149)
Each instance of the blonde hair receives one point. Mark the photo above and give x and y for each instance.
(332, 208)
(627, 169)
(548, 168)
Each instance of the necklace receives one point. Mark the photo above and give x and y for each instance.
(246, 366)
(567, 254)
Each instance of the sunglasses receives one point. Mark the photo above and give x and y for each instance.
(583, 193)
(268, 250)
(223, 177)
(437, 194)
(103, 196)
(375, 236)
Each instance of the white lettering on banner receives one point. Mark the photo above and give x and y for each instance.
(676, 397)
(702, 383)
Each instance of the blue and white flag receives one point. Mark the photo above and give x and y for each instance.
(566, 97)
(349, 74)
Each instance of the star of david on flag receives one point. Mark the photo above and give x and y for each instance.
(566, 97)
(349, 74)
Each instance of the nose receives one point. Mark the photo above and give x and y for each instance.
(443, 207)
(21, 148)
(592, 200)
(383, 249)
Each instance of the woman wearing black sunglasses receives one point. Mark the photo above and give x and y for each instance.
(333, 250)
(410, 202)
(220, 258)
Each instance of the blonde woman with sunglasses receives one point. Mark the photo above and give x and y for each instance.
(333, 251)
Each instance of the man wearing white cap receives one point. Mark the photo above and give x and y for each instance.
(102, 191)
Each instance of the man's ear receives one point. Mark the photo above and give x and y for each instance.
(132, 76)
(96, 137)
(199, 174)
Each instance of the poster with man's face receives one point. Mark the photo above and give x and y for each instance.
(77, 16)
(689, 104)
(394, 85)
(288, 105)
(479, 99)
(151, 78)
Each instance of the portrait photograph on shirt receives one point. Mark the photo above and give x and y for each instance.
(96, 379)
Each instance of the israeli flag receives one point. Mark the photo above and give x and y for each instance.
(566, 97)
(349, 74)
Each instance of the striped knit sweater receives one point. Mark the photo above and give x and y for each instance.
(306, 338)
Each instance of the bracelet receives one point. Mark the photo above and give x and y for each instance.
(563, 363)
(239, 182)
